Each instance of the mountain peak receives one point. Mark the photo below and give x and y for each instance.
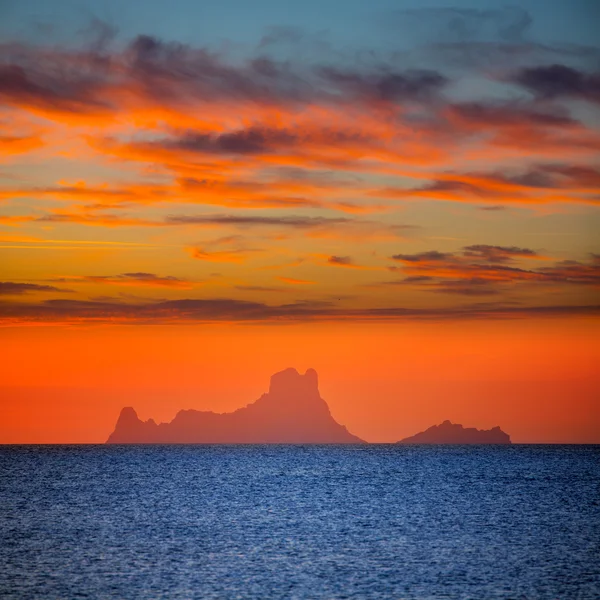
(130, 426)
(289, 381)
(293, 412)
(128, 410)
(128, 415)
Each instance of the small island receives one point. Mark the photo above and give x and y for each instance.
(292, 412)
(454, 433)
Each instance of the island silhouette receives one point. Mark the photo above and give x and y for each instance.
(453, 433)
(292, 412)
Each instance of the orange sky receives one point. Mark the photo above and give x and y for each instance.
(536, 378)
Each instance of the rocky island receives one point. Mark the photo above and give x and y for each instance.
(454, 433)
(292, 412)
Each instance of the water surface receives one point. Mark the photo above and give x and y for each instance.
(376, 521)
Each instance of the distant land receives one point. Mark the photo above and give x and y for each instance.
(453, 433)
(292, 412)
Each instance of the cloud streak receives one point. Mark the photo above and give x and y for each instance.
(229, 310)
(131, 279)
(12, 288)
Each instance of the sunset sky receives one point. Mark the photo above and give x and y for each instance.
(403, 196)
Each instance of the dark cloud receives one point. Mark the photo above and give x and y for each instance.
(480, 270)
(224, 309)
(394, 282)
(166, 69)
(573, 175)
(254, 140)
(91, 80)
(416, 279)
(341, 226)
(498, 253)
(465, 287)
(248, 141)
(341, 261)
(455, 189)
(574, 272)
(291, 221)
(539, 183)
(56, 90)
(266, 79)
(556, 80)
(107, 220)
(297, 222)
(544, 177)
(510, 114)
(386, 86)
(11, 288)
(142, 279)
(430, 256)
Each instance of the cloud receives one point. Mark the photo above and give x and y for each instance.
(541, 183)
(241, 220)
(465, 287)
(493, 208)
(189, 190)
(256, 140)
(314, 227)
(13, 144)
(16, 219)
(224, 309)
(575, 272)
(510, 114)
(98, 220)
(151, 73)
(294, 222)
(11, 288)
(55, 91)
(341, 261)
(432, 256)
(216, 130)
(479, 269)
(411, 85)
(499, 253)
(131, 279)
(278, 140)
(556, 81)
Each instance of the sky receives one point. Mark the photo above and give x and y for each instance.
(402, 195)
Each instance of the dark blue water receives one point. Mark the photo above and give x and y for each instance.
(299, 522)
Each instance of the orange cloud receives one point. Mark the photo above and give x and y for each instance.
(10, 145)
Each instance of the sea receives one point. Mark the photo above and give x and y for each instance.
(305, 522)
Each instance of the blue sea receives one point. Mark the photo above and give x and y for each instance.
(369, 521)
